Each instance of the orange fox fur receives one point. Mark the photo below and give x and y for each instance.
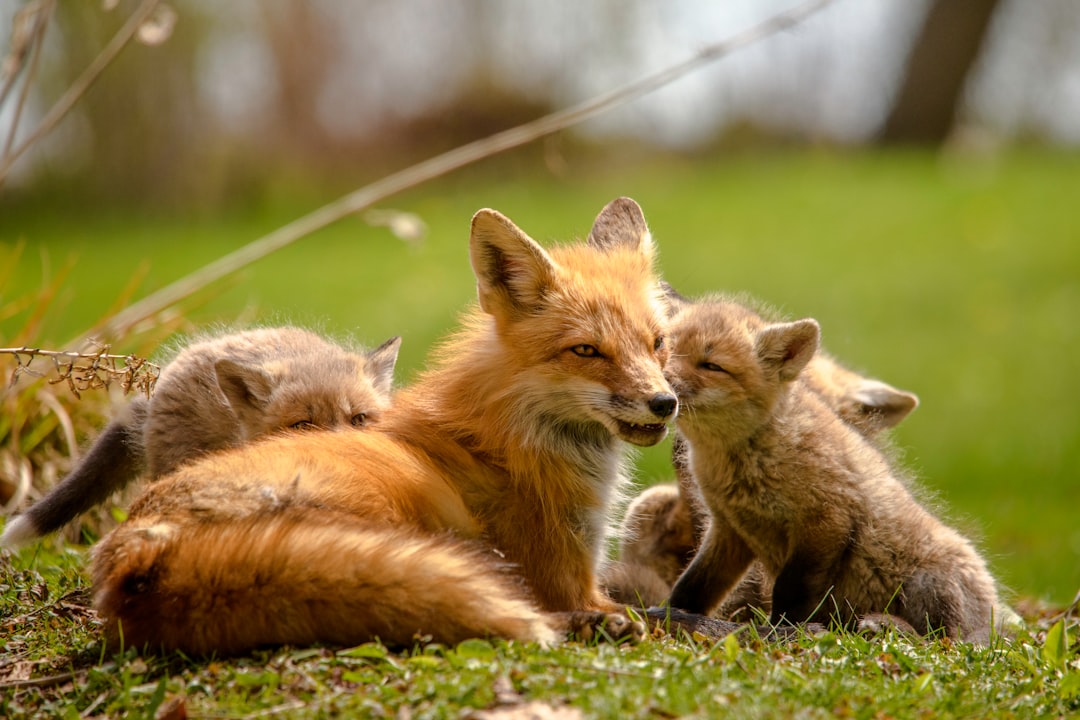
(477, 506)
(789, 483)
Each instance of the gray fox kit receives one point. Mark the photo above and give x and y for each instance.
(792, 485)
(218, 393)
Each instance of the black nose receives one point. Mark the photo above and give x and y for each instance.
(663, 404)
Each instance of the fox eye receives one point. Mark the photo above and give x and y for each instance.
(303, 425)
(659, 343)
(585, 351)
(712, 367)
(359, 419)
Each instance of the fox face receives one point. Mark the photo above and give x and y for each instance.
(581, 325)
(868, 405)
(321, 390)
(728, 365)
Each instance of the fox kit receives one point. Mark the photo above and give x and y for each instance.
(789, 483)
(219, 393)
(664, 525)
(477, 505)
(870, 406)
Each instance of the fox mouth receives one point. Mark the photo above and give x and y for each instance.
(642, 435)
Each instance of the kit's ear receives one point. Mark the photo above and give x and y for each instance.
(786, 348)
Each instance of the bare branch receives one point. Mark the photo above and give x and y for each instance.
(80, 86)
(23, 26)
(439, 165)
(87, 371)
(27, 30)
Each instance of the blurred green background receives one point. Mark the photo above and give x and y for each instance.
(935, 234)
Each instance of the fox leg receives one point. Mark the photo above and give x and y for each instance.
(803, 591)
(721, 560)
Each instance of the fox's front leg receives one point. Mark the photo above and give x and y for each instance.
(802, 588)
(721, 560)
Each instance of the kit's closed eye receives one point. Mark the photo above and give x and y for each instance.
(712, 367)
(359, 419)
(303, 425)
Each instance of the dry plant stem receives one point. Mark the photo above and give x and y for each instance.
(37, 39)
(80, 86)
(88, 371)
(439, 165)
(54, 679)
(64, 418)
(19, 48)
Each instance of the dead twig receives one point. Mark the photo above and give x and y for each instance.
(87, 371)
(439, 165)
(54, 679)
(23, 33)
(35, 38)
(80, 86)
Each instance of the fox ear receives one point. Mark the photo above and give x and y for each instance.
(512, 271)
(244, 387)
(883, 404)
(788, 347)
(621, 223)
(379, 365)
(673, 301)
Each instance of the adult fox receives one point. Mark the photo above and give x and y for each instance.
(477, 506)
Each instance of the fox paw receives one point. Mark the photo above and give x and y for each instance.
(589, 626)
(880, 623)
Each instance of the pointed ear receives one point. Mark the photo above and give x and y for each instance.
(244, 387)
(379, 365)
(512, 271)
(621, 223)
(788, 347)
(884, 403)
(673, 301)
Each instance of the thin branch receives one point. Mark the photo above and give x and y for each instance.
(439, 165)
(21, 41)
(80, 86)
(54, 679)
(37, 40)
(87, 371)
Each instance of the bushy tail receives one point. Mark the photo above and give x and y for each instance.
(300, 576)
(114, 460)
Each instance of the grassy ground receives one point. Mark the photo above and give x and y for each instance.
(51, 665)
(957, 280)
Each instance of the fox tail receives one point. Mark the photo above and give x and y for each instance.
(113, 461)
(299, 576)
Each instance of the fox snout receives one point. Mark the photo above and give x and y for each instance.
(663, 405)
(643, 421)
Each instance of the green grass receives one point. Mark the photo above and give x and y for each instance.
(958, 281)
(49, 635)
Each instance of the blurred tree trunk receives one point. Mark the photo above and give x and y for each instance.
(137, 136)
(941, 58)
(304, 44)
